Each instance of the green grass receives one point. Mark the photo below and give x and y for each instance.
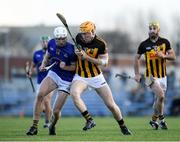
(70, 129)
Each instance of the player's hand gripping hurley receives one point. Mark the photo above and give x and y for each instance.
(27, 69)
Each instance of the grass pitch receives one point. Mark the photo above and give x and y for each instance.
(70, 129)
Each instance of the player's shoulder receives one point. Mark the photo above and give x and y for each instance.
(70, 44)
(144, 43)
(70, 47)
(51, 45)
(147, 40)
(38, 51)
(78, 36)
(165, 40)
(51, 41)
(100, 40)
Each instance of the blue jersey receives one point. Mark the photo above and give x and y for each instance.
(37, 59)
(65, 54)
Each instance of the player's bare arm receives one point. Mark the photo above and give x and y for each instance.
(136, 67)
(32, 68)
(44, 62)
(29, 69)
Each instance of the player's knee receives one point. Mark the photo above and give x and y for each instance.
(161, 98)
(48, 97)
(40, 96)
(75, 93)
(46, 101)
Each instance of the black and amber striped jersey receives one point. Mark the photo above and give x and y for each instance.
(155, 65)
(93, 49)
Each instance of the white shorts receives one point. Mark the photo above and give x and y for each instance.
(62, 85)
(162, 82)
(94, 82)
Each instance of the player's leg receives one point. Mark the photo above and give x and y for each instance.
(58, 104)
(42, 104)
(159, 103)
(47, 109)
(154, 121)
(76, 90)
(47, 86)
(159, 91)
(105, 93)
(163, 84)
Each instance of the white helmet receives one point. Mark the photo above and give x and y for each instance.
(60, 32)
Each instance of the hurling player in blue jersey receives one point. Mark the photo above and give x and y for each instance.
(59, 77)
(37, 60)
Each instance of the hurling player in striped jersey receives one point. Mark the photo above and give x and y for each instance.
(156, 50)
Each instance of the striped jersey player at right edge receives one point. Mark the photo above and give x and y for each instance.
(93, 53)
(156, 51)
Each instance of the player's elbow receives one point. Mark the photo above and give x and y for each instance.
(174, 58)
